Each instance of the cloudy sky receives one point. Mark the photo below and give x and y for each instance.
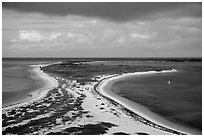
(102, 29)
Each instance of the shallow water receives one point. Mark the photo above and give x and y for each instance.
(19, 79)
(179, 100)
(18, 82)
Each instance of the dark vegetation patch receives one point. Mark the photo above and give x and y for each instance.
(89, 116)
(59, 105)
(142, 133)
(89, 129)
(83, 72)
(120, 133)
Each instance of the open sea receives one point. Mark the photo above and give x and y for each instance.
(179, 100)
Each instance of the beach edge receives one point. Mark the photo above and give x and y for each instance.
(139, 110)
(50, 83)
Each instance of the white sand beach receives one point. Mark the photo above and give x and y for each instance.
(104, 88)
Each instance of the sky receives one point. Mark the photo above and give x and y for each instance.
(102, 29)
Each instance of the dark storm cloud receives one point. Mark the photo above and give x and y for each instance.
(109, 10)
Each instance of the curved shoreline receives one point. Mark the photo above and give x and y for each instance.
(104, 88)
(50, 83)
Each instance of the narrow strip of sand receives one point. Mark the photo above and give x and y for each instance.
(104, 87)
(50, 83)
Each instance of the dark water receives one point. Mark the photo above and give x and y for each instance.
(180, 101)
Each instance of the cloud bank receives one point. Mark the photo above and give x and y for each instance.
(167, 30)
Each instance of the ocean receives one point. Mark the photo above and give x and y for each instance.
(176, 96)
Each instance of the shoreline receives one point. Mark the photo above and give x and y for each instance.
(50, 83)
(104, 88)
(100, 113)
(119, 103)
